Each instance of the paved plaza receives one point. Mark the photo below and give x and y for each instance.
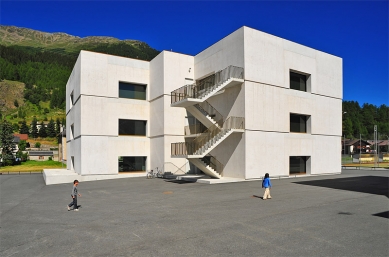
(337, 215)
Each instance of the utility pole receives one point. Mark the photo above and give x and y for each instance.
(344, 141)
(62, 146)
(375, 143)
(360, 149)
(344, 148)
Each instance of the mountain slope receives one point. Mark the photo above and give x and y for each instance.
(43, 63)
(64, 43)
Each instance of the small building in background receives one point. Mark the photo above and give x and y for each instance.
(352, 146)
(41, 155)
(22, 136)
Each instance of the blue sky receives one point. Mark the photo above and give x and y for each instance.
(356, 31)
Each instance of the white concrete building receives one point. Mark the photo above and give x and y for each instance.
(249, 104)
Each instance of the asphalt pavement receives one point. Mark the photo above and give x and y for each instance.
(339, 215)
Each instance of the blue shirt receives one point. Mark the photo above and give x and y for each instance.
(266, 183)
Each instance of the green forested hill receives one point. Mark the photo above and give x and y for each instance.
(43, 61)
(361, 120)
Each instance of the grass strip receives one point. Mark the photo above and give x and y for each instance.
(30, 166)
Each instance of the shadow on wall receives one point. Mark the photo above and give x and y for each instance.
(365, 184)
(224, 103)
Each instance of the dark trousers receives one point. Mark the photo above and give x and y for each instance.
(74, 203)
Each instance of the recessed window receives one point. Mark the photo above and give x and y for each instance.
(298, 164)
(132, 127)
(71, 100)
(71, 131)
(132, 91)
(299, 123)
(72, 162)
(132, 163)
(298, 81)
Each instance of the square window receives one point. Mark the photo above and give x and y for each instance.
(132, 91)
(299, 81)
(299, 123)
(298, 164)
(132, 127)
(132, 163)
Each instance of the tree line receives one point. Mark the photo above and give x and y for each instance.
(45, 72)
(360, 120)
(53, 129)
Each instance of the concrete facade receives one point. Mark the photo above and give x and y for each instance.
(262, 98)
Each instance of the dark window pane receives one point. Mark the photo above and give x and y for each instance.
(132, 163)
(297, 164)
(132, 91)
(132, 127)
(298, 123)
(298, 81)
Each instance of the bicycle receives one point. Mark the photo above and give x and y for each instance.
(159, 173)
(154, 174)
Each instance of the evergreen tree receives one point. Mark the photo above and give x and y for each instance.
(34, 129)
(7, 143)
(348, 128)
(22, 145)
(24, 128)
(42, 131)
(15, 127)
(51, 129)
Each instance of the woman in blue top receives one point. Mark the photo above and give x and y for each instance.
(267, 185)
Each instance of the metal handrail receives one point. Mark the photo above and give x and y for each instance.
(206, 85)
(208, 138)
(194, 129)
(207, 109)
(234, 123)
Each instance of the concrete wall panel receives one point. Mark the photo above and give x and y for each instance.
(329, 75)
(231, 153)
(265, 153)
(226, 52)
(263, 57)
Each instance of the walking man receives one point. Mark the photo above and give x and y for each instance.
(74, 196)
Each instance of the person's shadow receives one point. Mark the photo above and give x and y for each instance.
(256, 196)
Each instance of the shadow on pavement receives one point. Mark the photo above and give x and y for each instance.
(384, 214)
(180, 181)
(364, 184)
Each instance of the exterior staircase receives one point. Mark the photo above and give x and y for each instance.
(211, 168)
(207, 141)
(194, 98)
(206, 114)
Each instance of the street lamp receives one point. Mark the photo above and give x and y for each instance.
(344, 139)
(375, 146)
